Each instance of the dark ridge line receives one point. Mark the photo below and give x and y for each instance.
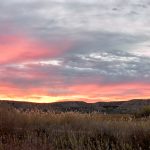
(62, 102)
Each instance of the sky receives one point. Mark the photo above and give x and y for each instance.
(74, 50)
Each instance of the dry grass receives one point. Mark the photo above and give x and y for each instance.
(72, 131)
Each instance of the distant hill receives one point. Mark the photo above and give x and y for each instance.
(101, 107)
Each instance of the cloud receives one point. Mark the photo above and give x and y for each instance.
(50, 47)
(19, 48)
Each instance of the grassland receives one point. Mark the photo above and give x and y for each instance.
(35, 130)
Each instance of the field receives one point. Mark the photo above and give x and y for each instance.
(36, 130)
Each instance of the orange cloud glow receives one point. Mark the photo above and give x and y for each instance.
(88, 93)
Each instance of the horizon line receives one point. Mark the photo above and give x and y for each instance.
(23, 101)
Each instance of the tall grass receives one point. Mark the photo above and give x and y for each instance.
(36, 130)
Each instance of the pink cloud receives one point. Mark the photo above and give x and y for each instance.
(20, 48)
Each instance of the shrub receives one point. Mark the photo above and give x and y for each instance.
(143, 113)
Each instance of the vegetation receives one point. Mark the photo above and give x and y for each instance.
(144, 112)
(37, 130)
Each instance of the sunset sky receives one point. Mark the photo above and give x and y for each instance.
(82, 50)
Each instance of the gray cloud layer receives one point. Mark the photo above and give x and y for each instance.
(111, 38)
